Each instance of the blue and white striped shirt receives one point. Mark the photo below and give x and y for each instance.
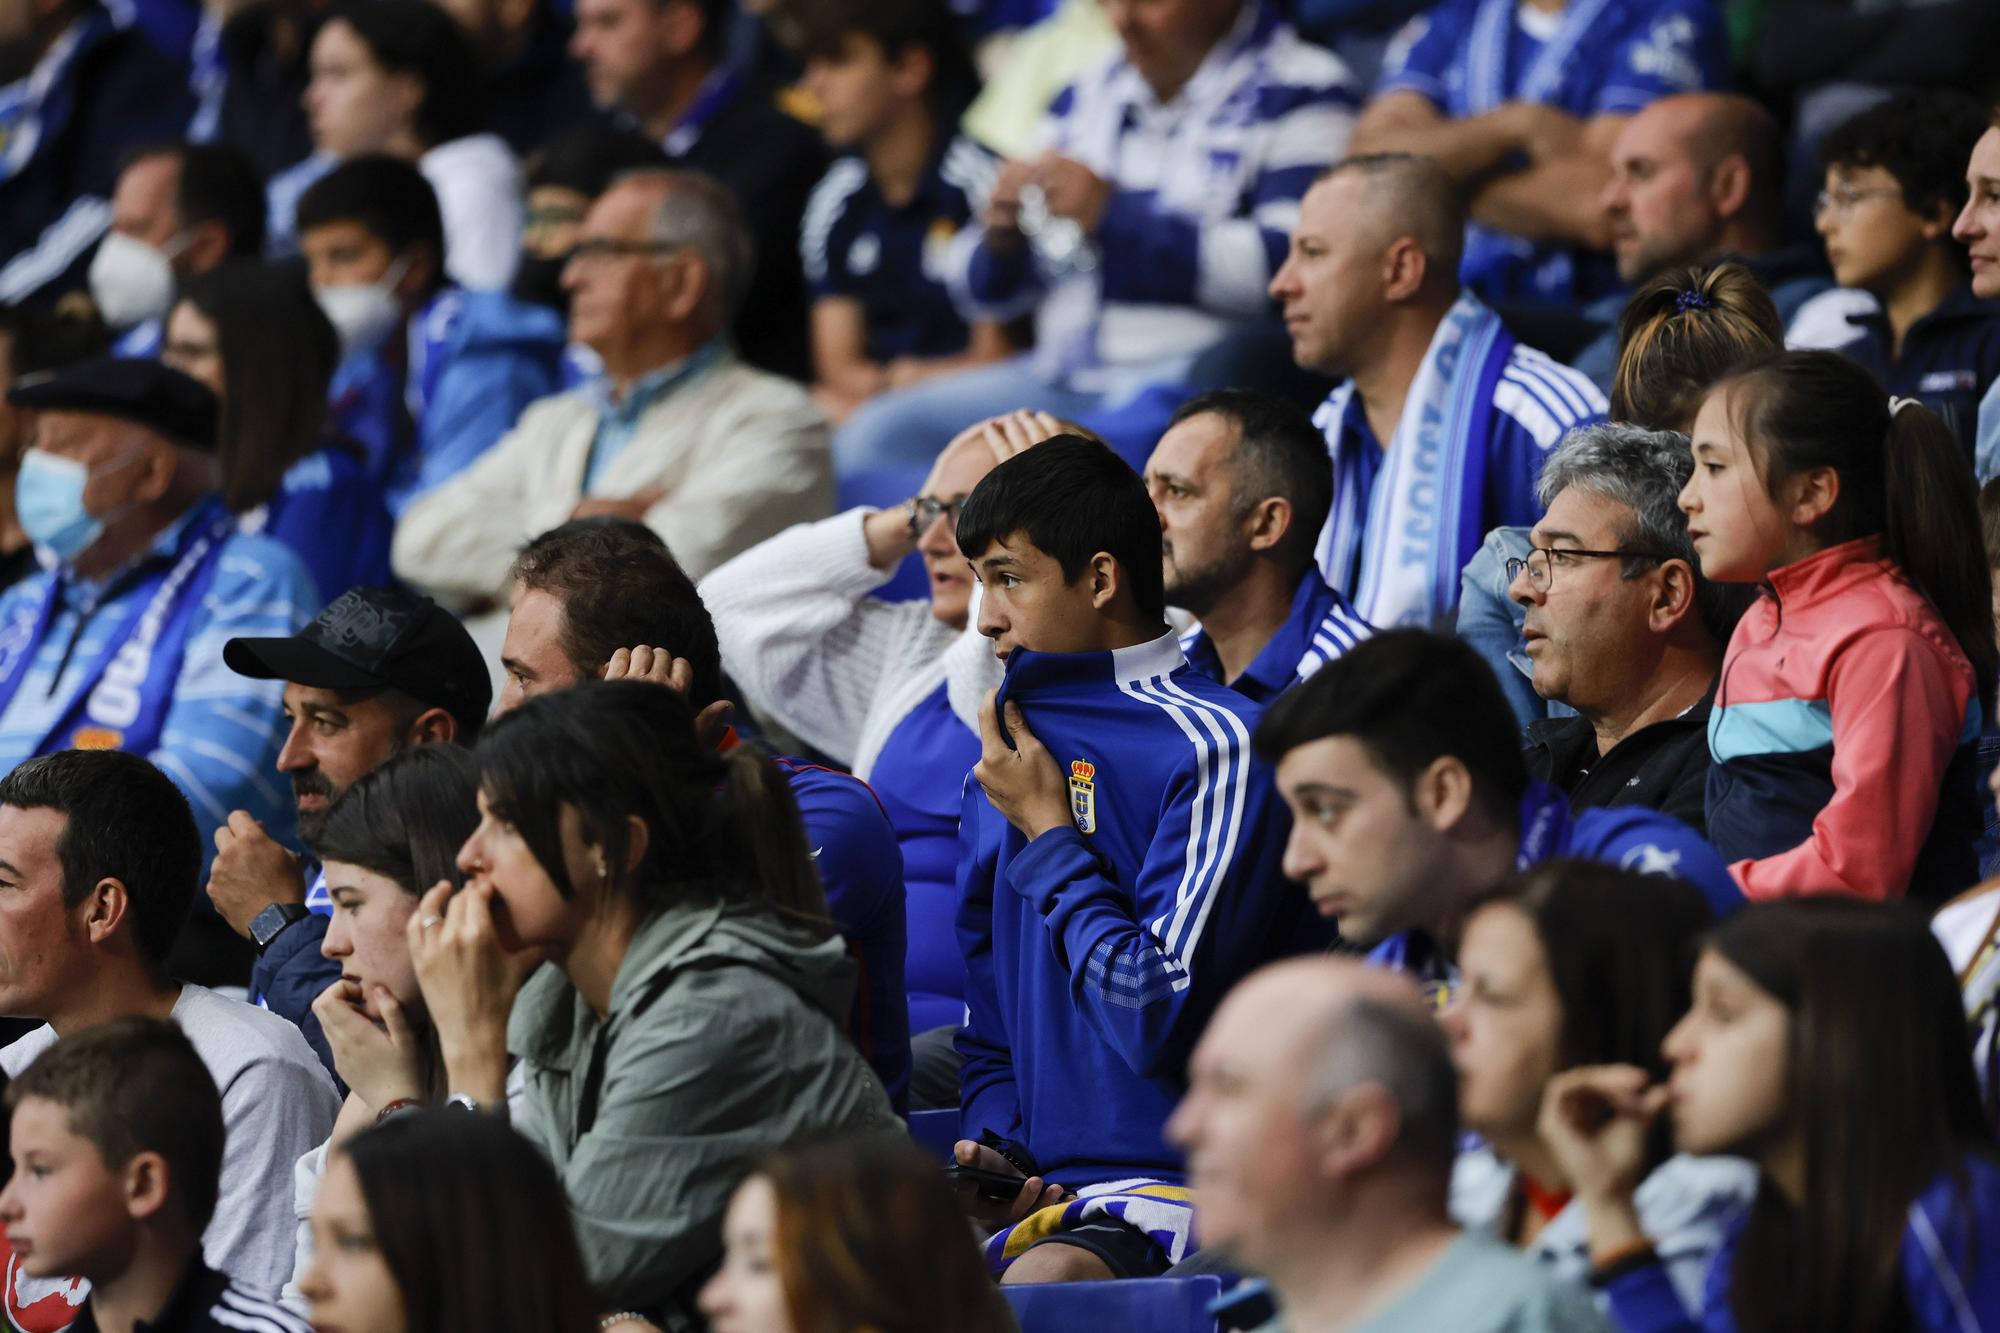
(222, 732)
(1322, 625)
(1206, 193)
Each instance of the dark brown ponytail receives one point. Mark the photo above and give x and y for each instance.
(1682, 332)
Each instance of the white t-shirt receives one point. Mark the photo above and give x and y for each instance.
(277, 1102)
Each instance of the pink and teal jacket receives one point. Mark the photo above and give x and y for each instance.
(1842, 737)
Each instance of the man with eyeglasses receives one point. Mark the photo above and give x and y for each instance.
(1620, 625)
(677, 432)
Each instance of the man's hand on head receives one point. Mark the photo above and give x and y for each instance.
(661, 667)
(251, 871)
(1024, 783)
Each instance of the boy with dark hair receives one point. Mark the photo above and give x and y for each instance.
(117, 1139)
(431, 376)
(1118, 868)
(1402, 765)
(891, 78)
(1895, 182)
(602, 597)
(99, 857)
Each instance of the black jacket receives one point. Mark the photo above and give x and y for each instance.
(1662, 767)
(205, 1300)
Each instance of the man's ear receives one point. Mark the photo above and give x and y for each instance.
(148, 1185)
(207, 245)
(686, 283)
(104, 909)
(1357, 1130)
(1105, 579)
(1443, 793)
(156, 471)
(679, 28)
(1269, 521)
(433, 724)
(911, 72)
(1673, 596)
(418, 274)
(1404, 268)
(1730, 186)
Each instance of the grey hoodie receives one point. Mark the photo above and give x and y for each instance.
(724, 1041)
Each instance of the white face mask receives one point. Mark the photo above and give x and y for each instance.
(364, 313)
(131, 281)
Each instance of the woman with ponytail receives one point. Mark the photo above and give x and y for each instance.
(1682, 332)
(1852, 692)
(690, 1018)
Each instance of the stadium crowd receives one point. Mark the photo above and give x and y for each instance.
(818, 666)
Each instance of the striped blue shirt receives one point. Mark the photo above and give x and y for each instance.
(222, 733)
(1206, 193)
(1322, 625)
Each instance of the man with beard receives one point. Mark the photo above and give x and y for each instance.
(376, 672)
(1243, 484)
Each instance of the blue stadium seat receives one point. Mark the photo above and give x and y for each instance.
(935, 1132)
(1154, 1304)
(886, 488)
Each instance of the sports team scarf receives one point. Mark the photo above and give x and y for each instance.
(1165, 1213)
(1398, 555)
(38, 105)
(122, 697)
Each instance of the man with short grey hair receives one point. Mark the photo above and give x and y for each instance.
(1320, 1126)
(677, 433)
(1620, 624)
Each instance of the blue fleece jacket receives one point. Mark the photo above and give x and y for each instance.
(1095, 954)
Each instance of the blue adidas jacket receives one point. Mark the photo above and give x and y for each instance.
(1095, 954)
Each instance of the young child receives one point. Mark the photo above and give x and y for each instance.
(1895, 180)
(891, 78)
(117, 1145)
(1849, 702)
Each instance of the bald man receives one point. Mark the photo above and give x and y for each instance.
(1436, 390)
(1320, 1125)
(1694, 179)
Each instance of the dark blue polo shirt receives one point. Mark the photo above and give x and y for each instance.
(1950, 357)
(1321, 627)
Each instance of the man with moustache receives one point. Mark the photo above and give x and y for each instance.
(1242, 484)
(378, 671)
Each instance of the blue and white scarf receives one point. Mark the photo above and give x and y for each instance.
(121, 699)
(1398, 554)
(1162, 1212)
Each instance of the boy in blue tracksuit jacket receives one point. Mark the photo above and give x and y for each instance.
(1120, 848)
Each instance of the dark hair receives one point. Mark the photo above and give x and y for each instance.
(589, 158)
(386, 196)
(418, 38)
(620, 587)
(1902, 475)
(868, 1236)
(716, 16)
(1411, 698)
(1278, 452)
(720, 827)
(127, 821)
(1682, 332)
(134, 1085)
(1071, 498)
(1879, 1078)
(50, 339)
(406, 819)
(218, 183)
(896, 26)
(1923, 139)
(279, 353)
(1989, 520)
(1619, 947)
(473, 1224)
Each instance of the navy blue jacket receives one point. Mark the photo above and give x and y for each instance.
(1950, 357)
(1096, 953)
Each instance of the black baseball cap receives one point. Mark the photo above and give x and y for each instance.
(374, 637)
(156, 396)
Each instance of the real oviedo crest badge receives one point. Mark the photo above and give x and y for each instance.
(1083, 794)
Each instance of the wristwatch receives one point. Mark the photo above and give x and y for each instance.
(268, 924)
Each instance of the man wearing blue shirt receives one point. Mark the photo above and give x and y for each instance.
(117, 643)
(1440, 428)
(1521, 101)
(1118, 870)
(431, 376)
(1243, 486)
(1402, 765)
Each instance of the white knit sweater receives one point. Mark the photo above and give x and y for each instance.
(817, 653)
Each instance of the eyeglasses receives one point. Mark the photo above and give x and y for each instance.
(1842, 198)
(925, 510)
(1541, 562)
(595, 248)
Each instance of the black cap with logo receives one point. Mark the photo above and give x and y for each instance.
(374, 637)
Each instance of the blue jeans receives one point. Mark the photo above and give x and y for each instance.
(1490, 621)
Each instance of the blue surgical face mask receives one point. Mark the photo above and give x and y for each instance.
(48, 499)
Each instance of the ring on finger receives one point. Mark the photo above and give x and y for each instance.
(429, 922)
